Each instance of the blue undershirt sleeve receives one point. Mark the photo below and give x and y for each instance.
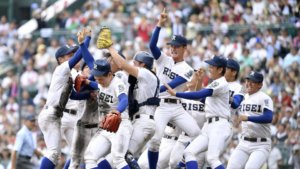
(123, 102)
(78, 55)
(87, 56)
(173, 84)
(267, 117)
(153, 41)
(236, 101)
(195, 95)
(79, 96)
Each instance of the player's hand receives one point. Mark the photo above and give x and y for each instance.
(200, 74)
(80, 36)
(243, 118)
(170, 90)
(88, 32)
(163, 16)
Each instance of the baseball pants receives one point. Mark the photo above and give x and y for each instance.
(250, 155)
(68, 123)
(164, 155)
(143, 130)
(50, 125)
(213, 140)
(103, 142)
(175, 114)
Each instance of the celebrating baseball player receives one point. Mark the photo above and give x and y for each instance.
(256, 115)
(176, 72)
(116, 129)
(142, 103)
(61, 89)
(196, 110)
(217, 129)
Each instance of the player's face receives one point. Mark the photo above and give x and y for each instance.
(103, 81)
(213, 72)
(66, 57)
(114, 67)
(229, 74)
(138, 64)
(177, 51)
(86, 71)
(252, 87)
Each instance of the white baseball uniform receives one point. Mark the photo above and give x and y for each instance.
(217, 129)
(255, 144)
(168, 141)
(143, 126)
(196, 110)
(170, 109)
(123, 76)
(50, 117)
(104, 141)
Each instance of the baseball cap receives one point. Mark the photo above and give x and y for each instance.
(178, 40)
(217, 61)
(66, 49)
(233, 64)
(101, 66)
(255, 76)
(30, 117)
(107, 55)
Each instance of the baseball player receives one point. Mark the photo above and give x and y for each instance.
(256, 115)
(142, 103)
(168, 141)
(61, 89)
(176, 72)
(115, 133)
(217, 129)
(196, 109)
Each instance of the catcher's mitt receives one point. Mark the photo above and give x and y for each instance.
(104, 40)
(79, 82)
(111, 122)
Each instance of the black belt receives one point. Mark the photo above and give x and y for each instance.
(27, 157)
(171, 125)
(255, 139)
(170, 137)
(87, 126)
(186, 134)
(211, 119)
(138, 116)
(70, 111)
(174, 101)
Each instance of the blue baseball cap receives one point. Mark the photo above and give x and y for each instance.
(30, 117)
(101, 66)
(107, 55)
(217, 61)
(178, 40)
(233, 64)
(255, 76)
(66, 49)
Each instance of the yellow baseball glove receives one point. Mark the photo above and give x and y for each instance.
(104, 40)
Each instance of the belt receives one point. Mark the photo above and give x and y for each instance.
(171, 125)
(255, 139)
(70, 111)
(27, 157)
(215, 119)
(186, 134)
(87, 126)
(170, 137)
(55, 110)
(173, 101)
(143, 115)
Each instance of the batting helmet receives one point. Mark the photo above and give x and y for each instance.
(144, 57)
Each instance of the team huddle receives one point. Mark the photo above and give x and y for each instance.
(122, 107)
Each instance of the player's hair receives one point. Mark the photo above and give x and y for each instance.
(223, 71)
(237, 73)
(106, 74)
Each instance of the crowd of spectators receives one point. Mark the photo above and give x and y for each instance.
(262, 35)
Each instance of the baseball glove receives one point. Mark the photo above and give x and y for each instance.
(111, 122)
(79, 82)
(104, 40)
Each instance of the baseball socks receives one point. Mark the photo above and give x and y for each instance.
(47, 164)
(182, 161)
(152, 159)
(67, 164)
(131, 161)
(104, 165)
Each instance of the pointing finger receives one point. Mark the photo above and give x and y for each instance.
(164, 10)
(84, 30)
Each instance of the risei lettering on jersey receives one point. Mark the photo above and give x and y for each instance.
(195, 107)
(250, 107)
(169, 73)
(106, 98)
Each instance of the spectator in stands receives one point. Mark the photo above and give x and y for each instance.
(144, 29)
(248, 16)
(258, 7)
(276, 86)
(281, 134)
(259, 56)
(52, 48)
(12, 105)
(92, 13)
(8, 80)
(288, 117)
(295, 157)
(76, 20)
(273, 47)
(275, 158)
(42, 58)
(245, 59)
(178, 27)
(26, 100)
(285, 99)
(290, 58)
(29, 77)
(226, 48)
